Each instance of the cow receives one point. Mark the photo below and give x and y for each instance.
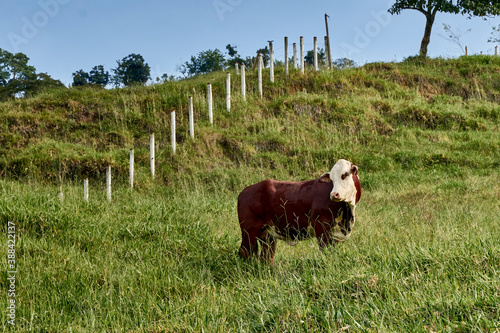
(293, 211)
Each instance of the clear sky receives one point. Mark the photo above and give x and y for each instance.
(63, 36)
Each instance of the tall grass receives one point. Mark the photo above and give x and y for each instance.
(424, 255)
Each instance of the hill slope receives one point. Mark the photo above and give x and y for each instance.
(382, 115)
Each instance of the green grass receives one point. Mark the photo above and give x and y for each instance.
(424, 254)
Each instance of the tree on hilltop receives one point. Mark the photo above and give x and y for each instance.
(19, 79)
(98, 75)
(309, 57)
(430, 8)
(80, 78)
(14, 67)
(131, 70)
(206, 62)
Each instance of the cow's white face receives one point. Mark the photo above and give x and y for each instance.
(343, 183)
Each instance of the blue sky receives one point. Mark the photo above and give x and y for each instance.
(63, 36)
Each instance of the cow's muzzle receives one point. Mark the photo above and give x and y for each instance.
(335, 196)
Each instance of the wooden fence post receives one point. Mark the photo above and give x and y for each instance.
(302, 54)
(260, 74)
(271, 62)
(172, 130)
(228, 92)
(131, 169)
(86, 189)
(326, 53)
(108, 182)
(286, 56)
(327, 38)
(243, 83)
(237, 69)
(152, 154)
(191, 117)
(295, 55)
(210, 104)
(466, 51)
(315, 46)
(496, 50)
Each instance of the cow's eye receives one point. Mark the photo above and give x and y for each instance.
(345, 175)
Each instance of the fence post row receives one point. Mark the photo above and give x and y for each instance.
(238, 68)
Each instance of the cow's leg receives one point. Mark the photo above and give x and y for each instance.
(323, 235)
(268, 243)
(249, 246)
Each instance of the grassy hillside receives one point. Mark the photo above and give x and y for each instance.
(424, 255)
(363, 114)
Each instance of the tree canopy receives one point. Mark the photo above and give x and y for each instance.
(431, 7)
(131, 70)
(97, 76)
(206, 62)
(18, 78)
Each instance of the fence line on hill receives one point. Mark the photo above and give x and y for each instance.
(240, 69)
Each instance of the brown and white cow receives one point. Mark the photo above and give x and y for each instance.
(293, 211)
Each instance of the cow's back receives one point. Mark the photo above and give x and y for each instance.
(275, 200)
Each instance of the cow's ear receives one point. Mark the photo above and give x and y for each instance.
(354, 170)
(325, 178)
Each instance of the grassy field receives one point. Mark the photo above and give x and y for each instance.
(424, 255)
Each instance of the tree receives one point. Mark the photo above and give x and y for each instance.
(14, 72)
(14, 67)
(265, 55)
(206, 62)
(431, 7)
(41, 83)
(235, 57)
(309, 57)
(343, 63)
(131, 70)
(99, 76)
(231, 50)
(80, 78)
